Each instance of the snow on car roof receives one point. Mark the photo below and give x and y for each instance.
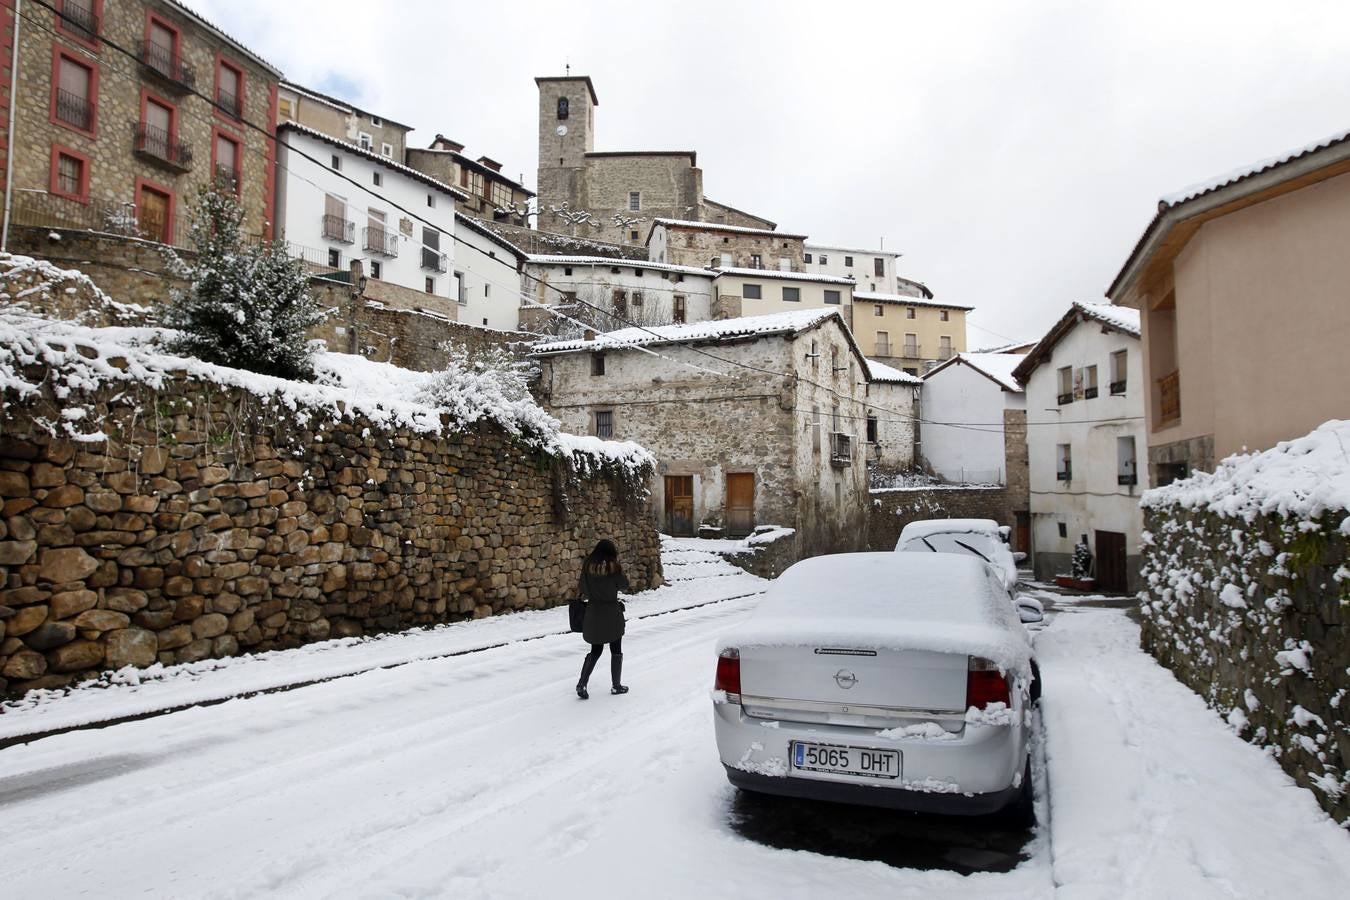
(947, 526)
(938, 602)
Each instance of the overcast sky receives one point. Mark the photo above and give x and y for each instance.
(1012, 151)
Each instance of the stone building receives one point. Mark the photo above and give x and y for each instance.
(607, 294)
(892, 417)
(340, 119)
(490, 194)
(612, 195)
(130, 107)
(910, 333)
(688, 243)
(1085, 391)
(754, 421)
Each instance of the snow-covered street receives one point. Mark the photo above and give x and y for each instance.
(458, 762)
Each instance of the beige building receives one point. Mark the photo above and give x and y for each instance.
(909, 333)
(1241, 283)
(612, 195)
(491, 195)
(339, 119)
(758, 292)
(683, 242)
(125, 110)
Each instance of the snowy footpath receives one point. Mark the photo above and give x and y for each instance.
(457, 762)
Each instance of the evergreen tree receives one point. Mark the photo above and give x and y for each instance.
(247, 305)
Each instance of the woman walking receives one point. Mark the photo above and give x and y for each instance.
(601, 580)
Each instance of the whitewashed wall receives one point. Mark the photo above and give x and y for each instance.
(490, 292)
(970, 448)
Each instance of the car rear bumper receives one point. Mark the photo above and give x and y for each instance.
(974, 773)
(870, 795)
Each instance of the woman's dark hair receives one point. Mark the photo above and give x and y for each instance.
(604, 559)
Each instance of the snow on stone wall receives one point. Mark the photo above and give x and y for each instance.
(1247, 600)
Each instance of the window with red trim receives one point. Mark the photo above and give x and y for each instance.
(229, 89)
(70, 174)
(80, 20)
(161, 46)
(228, 161)
(74, 92)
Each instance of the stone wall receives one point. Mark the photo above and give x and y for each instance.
(894, 508)
(212, 523)
(558, 243)
(1253, 616)
(127, 269)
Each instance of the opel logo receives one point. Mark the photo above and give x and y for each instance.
(845, 679)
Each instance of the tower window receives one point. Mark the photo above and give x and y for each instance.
(562, 107)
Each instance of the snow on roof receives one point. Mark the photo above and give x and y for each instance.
(904, 300)
(478, 227)
(879, 371)
(548, 259)
(783, 276)
(997, 366)
(1212, 184)
(385, 161)
(793, 322)
(938, 602)
(1120, 317)
(1302, 478)
(858, 250)
(718, 226)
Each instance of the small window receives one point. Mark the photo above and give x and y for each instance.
(634, 200)
(752, 292)
(1118, 376)
(597, 363)
(376, 269)
(387, 150)
(713, 263)
(614, 270)
(756, 261)
(336, 163)
(792, 294)
(431, 200)
(377, 122)
(944, 315)
(638, 272)
(334, 259)
(824, 260)
(430, 285)
(365, 141)
(461, 294)
(678, 315)
(878, 310)
(848, 262)
(567, 270)
(1126, 470)
(377, 179)
(806, 257)
(1064, 464)
(487, 290)
(637, 298)
(871, 428)
(1063, 530)
(70, 176)
(815, 427)
(1090, 382)
(604, 423)
(833, 298)
(562, 107)
(632, 235)
(910, 370)
(879, 267)
(1065, 380)
(909, 312)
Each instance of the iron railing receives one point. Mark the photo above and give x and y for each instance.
(227, 178)
(1118, 387)
(433, 261)
(883, 348)
(168, 65)
(1127, 479)
(841, 449)
(75, 110)
(339, 228)
(375, 239)
(79, 17)
(912, 351)
(945, 353)
(229, 104)
(1062, 399)
(1065, 474)
(161, 146)
(1090, 393)
(1169, 397)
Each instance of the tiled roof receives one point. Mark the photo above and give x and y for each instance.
(549, 259)
(784, 276)
(385, 161)
(998, 367)
(792, 322)
(879, 371)
(904, 300)
(1117, 318)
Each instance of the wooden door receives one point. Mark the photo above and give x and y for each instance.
(1111, 561)
(153, 215)
(1022, 533)
(680, 505)
(740, 503)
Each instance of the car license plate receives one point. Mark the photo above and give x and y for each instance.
(842, 760)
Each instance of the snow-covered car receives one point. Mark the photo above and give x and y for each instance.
(982, 538)
(899, 680)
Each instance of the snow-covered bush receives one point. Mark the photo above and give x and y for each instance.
(247, 306)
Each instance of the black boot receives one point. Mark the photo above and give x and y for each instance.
(587, 666)
(615, 670)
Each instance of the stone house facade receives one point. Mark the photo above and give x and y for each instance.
(1085, 441)
(1226, 367)
(892, 417)
(608, 294)
(133, 106)
(911, 333)
(489, 193)
(612, 195)
(339, 119)
(687, 243)
(754, 421)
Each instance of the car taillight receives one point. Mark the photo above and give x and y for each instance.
(985, 684)
(729, 674)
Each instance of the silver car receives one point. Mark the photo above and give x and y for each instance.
(885, 679)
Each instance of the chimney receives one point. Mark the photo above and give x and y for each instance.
(444, 143)
(490, 163)
(589, 335)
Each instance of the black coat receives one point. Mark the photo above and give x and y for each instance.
(604, 612)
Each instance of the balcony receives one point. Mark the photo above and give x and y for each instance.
(1090, 393)
(167, 65)
(160, 147)
(433, 261)
(1063, 399)
(379, 241)
(945, 353)
(883, 348)
(1117, 387)
(79, 17)
(1065, 474)
(841, 450)
(227, 179)
(75, 110)
(1127, 479)
(230, 105)
(1169, 398)
(912, 351)
(337, 228)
